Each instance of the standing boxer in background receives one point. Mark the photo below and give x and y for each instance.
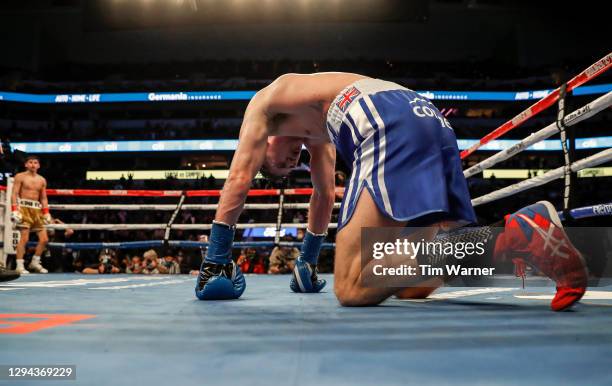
(30, 212)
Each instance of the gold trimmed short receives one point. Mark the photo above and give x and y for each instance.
(32, 219)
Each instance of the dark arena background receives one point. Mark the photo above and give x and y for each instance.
(133, 110)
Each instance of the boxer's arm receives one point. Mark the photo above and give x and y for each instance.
(287, 94)
(322, 168)
(247, 161)
(293, 93)
(44, 202)
(17, 182)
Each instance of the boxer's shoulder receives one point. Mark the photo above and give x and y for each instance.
(39, 180)
(23, 176)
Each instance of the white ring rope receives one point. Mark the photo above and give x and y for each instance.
(579, 115)
(172, 207)
(594, 160)
(120, 227)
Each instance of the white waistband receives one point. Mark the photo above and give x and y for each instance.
(29, 203)
(367, 86)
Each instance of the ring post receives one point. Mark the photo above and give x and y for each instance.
(4, 224)
(10, 235)
(568, 176)
(173, 218)
(279, 217)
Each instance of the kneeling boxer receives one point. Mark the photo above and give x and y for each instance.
(406, 170)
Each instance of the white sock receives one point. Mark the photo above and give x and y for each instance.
(20, 264)
(36, 259)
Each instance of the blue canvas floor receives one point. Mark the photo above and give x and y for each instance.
(153, 331)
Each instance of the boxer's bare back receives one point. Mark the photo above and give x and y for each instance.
(297, 104)
(281, 118)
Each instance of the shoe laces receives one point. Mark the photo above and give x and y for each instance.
(209, 270)
(315, 270)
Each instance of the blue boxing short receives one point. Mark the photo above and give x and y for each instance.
(403, 150)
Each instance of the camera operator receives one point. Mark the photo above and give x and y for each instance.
(151, 264)
(135, 265)
(107, 264)
(282, 258)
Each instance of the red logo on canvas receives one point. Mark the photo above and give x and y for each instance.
(27, 323)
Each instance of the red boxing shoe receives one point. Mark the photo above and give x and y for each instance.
(535, 234)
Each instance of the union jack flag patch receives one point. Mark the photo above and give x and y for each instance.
(347, 98)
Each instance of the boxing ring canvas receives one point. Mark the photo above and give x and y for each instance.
(151, 329)
(142, 330)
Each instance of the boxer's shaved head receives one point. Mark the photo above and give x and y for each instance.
(282, 156)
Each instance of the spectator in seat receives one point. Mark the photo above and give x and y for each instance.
(151, 263)
(135, 265)
(170, 265)
(282, 258)
(250, 262)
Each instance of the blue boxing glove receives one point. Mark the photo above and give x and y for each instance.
(305, 277)
(220, 278)
(219, 281)
(220, 241)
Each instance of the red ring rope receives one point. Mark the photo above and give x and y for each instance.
(593, 71)
(173, 193)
